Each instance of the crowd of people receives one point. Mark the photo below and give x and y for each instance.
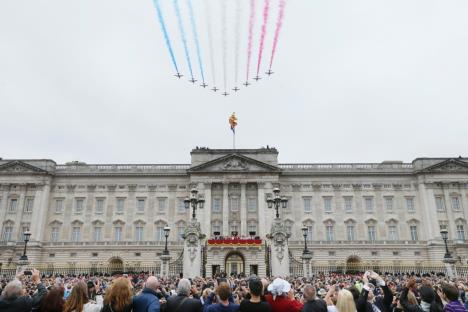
(324, 292)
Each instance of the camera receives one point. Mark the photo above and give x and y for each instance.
(27, 272)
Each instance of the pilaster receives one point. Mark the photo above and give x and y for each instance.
(243, 211)
(225, 209)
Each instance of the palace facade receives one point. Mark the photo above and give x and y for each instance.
(100, 214)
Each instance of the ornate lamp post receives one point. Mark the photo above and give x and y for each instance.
(166, 235)
(305, 231)
(444, 234)
(448, 259)
(194, 201)
(306, 254)
(165, 257)
(276, 201)
(26, 235)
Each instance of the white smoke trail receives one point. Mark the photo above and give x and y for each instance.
(210, 40)
(224, 39)
(237, 42)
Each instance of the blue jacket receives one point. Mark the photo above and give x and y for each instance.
(147, 301)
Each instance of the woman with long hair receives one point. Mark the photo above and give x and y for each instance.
(344, 300)
(119, 297)
(78, 300)
(53, 301)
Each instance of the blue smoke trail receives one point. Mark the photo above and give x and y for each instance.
(182, 34)
(195, 35)
(166, 35)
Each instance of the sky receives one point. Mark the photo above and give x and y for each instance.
(354, 81)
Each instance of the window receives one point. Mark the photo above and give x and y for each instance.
(443, 225)
(79, 203)
(252, 227)
(392, 233)
(216, 227)
(118, 233)
(310, 231)
(417, 253)
(395, 253)
(97, 235)
(140, 205)
(455, 203)
(307, 204)
(369, 203)
(162, 204)
(76, 233)
(389, 203)
(99, 205)
(6, 235)
(460, 232)
(440, 204)
(234, 227)
(371, 232)
(137, 254)
(252, 204)
(331, 253)
(120, 205)
(180, 232)
(410, 204)
(13, 205)
(24, 228)
(54, 234)
(181, 206)
(414, 232)
(327, 204)
(52, 255)
(139, 233)
(348, 204)
(234, 203)
(216, 204)
(350, 232)
(374, 253)
(94, 254)
(160, 233)
(59, 205)
(28, 206)
(329, 232)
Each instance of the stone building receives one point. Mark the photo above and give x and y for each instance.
(96, 215)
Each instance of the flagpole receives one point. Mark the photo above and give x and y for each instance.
(233, 139)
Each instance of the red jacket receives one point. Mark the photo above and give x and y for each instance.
(283, 304)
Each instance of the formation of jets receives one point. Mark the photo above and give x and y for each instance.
(235, 89)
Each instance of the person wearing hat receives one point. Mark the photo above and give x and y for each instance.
(281, 297)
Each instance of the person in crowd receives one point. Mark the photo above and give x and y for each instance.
(148, 300)
(13, 298)
(181, 302)
(255, 302)
(206, 292)
(53, 301)
(340, 300)
(119, 297)
(225, 304)
(78, 300)
(450, 295)
(367, 301)
(281, 297)
(311, 302)
(409, 302)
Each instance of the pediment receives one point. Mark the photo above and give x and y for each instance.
(452, 165)
(20, 167)
(234, 163)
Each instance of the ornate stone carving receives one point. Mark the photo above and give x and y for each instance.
(279, 236)
(91, 187)
(152, 187)
(71, 187)
(132, 187)
(235, 164)
(111, 187)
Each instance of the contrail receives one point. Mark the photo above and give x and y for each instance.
(165, 33)
(279, 24)
(224, 35)
(266, 9)
(195, 35)
(249, 44)
(210, 41)
(237, 42)
(182, 34)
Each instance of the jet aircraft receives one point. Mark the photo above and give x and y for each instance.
(269, 72)
(246, 83)
(257, 78)
(179, 75)
(236, 89)
(215, 89)
(192, 80)
(225, 93)
(204, 85)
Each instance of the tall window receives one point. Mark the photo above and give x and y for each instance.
(389, 203)
(160, 232)
(76, 233)
(162, 204)
(327, 204)
(54, 234)
(392, 233)
(410, 204)
(460, 232)
(24, 228)
(307, 204)
(99, 205)
(79, 204)
(252, 226)
(6, 235)
(252, 204)
(97, 235)
(59, 205)
(455, 202)
(329, 232)
(216, 226)
(348, 204)
(414, 232)
(234, 203)
(180, 231)
(140, 205)
(28, 206)
(181, 205)
(310, 232)
(13, 205)
(234, 227)
(440, 204)
(369, 203)
(216, 204)
(118, 233)
(371, 232)
(139, 232)
(120, 205)
(350, 232)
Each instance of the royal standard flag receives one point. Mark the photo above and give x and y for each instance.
(233, 122)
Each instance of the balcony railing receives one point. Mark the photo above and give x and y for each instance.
(348, 167)
(119, 168)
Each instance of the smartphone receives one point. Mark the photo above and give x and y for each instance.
(27, 272)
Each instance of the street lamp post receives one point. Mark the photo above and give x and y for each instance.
(276, 201)
(305, 231)
(195, 201)
(166, 235)
(306, 254)
(448, 259)
(26, 236)
(444, 234)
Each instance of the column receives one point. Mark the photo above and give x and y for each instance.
(206, 225)
(225, 209)
(428, 212)
(40, 211)
(243, 211)
(261, 210)
(15, 235)
(4, 203)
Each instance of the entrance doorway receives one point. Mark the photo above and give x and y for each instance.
(353, 264)
(116, 265)
(235, 263)
(254, 269)
(215, 269)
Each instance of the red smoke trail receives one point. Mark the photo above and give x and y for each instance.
(266, 9)
(249, 45)
(279, 23)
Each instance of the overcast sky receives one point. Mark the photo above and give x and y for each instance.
(355, 81)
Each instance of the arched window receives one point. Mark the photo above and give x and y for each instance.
(7, 230)
(216, 226)
(118, 230)
(460, 226)
(159, 230)
(55, 231)
(139, 230)
(309, 224)
(392, 227)
(180, 230)
(329, 230)
(76, 231)
(350, 229)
